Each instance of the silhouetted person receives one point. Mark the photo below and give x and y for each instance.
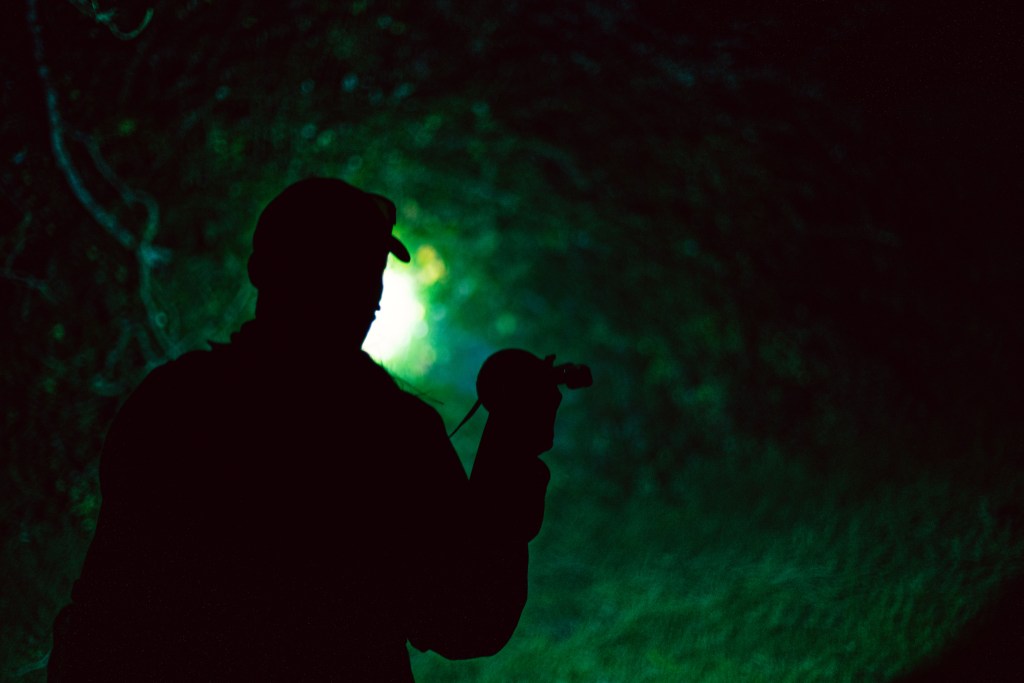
(276, 508)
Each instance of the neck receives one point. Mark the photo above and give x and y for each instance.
(305, 337)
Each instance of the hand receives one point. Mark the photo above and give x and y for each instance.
(520, 392)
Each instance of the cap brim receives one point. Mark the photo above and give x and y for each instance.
(387, 208)
(399, 250)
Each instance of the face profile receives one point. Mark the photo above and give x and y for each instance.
(319, 252)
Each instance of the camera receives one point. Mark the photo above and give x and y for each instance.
(512, 377)
(573, 375)
(515, 376)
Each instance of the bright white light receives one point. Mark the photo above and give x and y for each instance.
(400, 318)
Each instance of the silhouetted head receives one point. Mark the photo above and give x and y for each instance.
(319, 253)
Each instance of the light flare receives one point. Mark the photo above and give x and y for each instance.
(401, 318)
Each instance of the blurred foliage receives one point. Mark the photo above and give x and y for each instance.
(772, 231)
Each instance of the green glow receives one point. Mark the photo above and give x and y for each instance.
(401, 319)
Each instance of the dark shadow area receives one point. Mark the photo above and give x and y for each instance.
(989, 649)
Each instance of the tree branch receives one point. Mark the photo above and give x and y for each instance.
(147, 254)
(60, 151)
(8, 272)
(91, 9)
(32, 283)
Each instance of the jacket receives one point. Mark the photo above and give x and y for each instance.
(270, 517)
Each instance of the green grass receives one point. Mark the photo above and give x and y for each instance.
(756, 569)
(788, 584)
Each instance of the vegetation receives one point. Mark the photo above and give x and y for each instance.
(784, 241)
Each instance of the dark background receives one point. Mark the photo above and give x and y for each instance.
(788, 241)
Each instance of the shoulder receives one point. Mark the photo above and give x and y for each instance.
(424, 421)
(171, 389)
(415, 411)
(417, 424)
(189, 364)
(151, 421)
(180, 374)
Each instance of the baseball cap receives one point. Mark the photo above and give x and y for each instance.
(318, 216)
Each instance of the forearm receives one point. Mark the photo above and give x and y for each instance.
(473, 610)
(478, 588)
(509, 481)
